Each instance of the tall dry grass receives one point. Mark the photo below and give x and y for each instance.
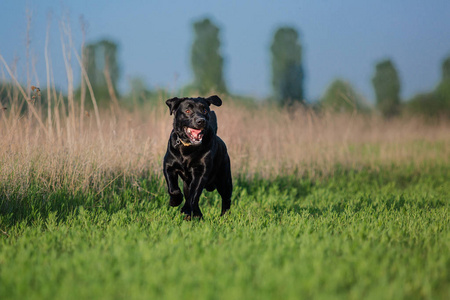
(273, 141)
(265, 141)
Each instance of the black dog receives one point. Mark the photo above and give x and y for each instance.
(196, 154)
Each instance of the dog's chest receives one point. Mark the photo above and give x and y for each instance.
(191, 164)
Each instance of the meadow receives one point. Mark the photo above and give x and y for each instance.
(325, 206)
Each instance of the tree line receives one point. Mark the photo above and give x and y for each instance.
(100, 60)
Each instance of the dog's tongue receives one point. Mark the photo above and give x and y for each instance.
(195, 132)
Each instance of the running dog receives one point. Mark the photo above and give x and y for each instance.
(196, 154)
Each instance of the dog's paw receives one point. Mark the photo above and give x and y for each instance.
(193, 217)
(176, 199)
(190, 215)
(186, 210)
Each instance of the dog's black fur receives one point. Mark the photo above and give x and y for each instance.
(200, 158)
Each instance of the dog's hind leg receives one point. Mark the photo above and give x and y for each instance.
(225, 189)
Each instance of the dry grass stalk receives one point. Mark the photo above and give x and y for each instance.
(49, 94)
(67, 55)
(82, 81)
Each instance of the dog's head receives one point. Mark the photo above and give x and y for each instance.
(192, 116)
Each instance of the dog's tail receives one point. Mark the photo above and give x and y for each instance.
(213, 121)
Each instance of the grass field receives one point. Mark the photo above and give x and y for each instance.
(371, 234)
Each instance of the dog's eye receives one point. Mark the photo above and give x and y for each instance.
(188, 111)
(205, 111)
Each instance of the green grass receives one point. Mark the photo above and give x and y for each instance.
(372, 234)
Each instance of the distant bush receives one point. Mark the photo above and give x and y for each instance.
(431, 104)
(435, 103)
(342, 97)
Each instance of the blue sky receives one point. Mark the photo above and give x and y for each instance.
(340, 38)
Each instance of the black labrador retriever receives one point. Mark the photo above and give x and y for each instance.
(196, 154)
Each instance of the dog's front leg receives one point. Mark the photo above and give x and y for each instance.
(186, 209)
(176, 197)
(196, 187)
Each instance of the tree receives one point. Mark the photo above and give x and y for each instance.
(287, 70)
(341, 97)
(387, 88)
(100, 62)
(446, 69)
(206, 60)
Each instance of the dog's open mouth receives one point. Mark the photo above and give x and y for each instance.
(194, 135)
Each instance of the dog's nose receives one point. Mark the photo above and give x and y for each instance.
(201, 122)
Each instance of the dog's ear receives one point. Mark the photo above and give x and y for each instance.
(173, 104)
(214, 100)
